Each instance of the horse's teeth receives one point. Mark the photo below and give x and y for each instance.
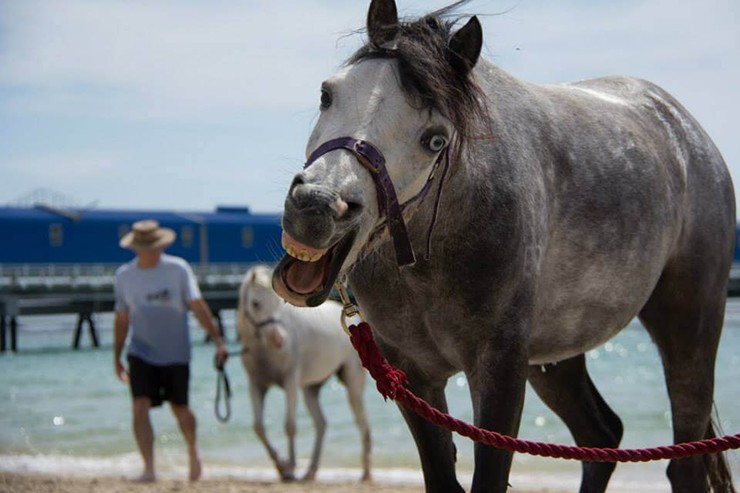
(303, 255)
(290, 250)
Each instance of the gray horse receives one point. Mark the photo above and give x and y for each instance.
(296, 349)
(549, 217)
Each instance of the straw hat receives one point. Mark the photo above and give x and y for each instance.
(147, 235)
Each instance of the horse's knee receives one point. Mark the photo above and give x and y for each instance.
(320, 425)
(290, 428)
(259, 429)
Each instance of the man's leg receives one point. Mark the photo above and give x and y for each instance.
(186, 420)
(144, 435)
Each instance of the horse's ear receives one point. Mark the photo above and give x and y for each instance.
(382, 21)
(465, 46)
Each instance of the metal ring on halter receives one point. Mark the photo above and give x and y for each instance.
(349, 309)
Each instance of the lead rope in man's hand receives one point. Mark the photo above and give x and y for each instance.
(222, 386)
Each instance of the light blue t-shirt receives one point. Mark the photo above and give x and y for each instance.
(157, 300)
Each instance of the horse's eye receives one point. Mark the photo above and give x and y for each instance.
(435, 143)
(256, 305)
(326, 99)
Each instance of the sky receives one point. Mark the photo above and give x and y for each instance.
(187, 105)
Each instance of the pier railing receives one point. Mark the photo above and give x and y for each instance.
(35, 289)
(22, 277)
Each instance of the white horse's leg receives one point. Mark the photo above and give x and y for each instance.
(311, 397)
(291, 404)
(257, 396)
(353, 377)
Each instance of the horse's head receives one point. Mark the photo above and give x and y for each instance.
(258, 306)
(386, 122)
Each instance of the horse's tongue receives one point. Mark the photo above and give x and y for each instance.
(305, 277)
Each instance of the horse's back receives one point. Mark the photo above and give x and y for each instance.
(632, 184)
(699, 182)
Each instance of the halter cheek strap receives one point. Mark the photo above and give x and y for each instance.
(372, 159)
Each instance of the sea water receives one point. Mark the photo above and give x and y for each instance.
(64, 411)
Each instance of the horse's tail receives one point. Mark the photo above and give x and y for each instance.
(718, 472)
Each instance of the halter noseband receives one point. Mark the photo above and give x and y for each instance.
(258, 325)
(372, 159)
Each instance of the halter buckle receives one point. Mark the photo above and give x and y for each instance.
(349, 309)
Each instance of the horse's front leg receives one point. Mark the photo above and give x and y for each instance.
(436, 450)
(291, 405)
(497, 384)
(257, 396)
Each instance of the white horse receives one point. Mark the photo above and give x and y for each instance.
(296, 348)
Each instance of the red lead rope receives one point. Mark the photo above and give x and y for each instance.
(391, 383)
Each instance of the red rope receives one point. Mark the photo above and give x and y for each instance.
(391, 383)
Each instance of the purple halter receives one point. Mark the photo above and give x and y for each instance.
(372, 159)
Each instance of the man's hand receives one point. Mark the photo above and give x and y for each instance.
(222, 354)
(121, 372)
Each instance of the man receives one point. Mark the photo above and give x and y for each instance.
(152, 295)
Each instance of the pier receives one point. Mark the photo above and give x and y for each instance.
(87, 289)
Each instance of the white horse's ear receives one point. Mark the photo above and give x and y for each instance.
(466, 45)
(382, 21)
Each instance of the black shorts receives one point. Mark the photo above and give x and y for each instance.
(159, 383)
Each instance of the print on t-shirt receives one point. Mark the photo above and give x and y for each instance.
(163, 296)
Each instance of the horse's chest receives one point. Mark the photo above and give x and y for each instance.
(268, 368)
(415, 320)
(426, 339)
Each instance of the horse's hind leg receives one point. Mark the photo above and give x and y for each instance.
(567, 389)
(353, 377)
(311, 398)
(684, 316)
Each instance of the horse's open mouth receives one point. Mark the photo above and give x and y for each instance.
(305, 276)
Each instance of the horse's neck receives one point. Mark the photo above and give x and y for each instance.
(472, 191)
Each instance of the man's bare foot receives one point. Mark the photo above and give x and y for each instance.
(147, 477)
(195, 468)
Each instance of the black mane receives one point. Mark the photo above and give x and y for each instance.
(426, 73)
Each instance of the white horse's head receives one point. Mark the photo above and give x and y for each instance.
(258, 307)
(397, 105)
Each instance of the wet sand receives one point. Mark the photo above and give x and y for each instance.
(39, 483)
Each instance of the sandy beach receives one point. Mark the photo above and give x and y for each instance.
(38, 483)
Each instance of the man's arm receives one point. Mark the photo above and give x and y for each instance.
(120, 331)
(203, 314)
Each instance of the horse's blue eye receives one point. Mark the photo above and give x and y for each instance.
(326, 99)
(436, 143)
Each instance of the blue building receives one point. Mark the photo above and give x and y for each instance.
(62, 260)
(43, 235)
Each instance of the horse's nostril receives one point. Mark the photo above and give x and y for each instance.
(353, 208)
(298, 180)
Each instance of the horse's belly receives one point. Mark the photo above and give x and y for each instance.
(575, 330)
(582, 311)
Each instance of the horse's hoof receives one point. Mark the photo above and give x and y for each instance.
(309, 477)
(366, 478)
(287, 477)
